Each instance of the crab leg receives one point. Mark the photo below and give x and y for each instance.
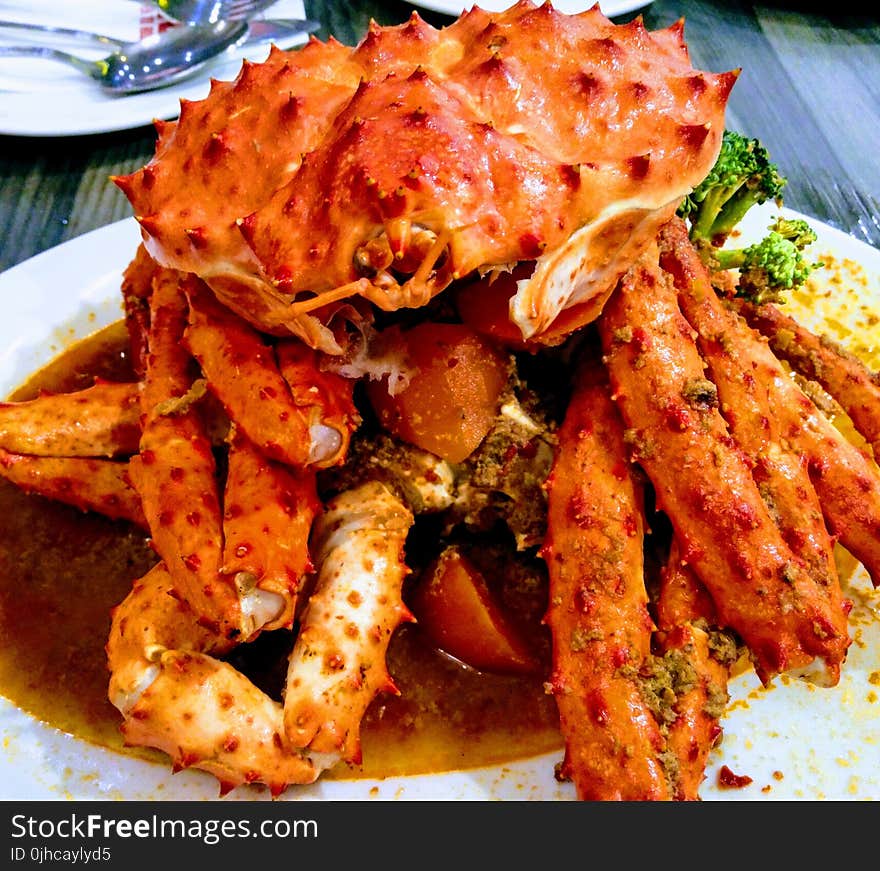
(99, 421)
(268, 514)
(242, 372)
(84, 482)
(136, 287)
(175, 471)
(845, 477)
(842, 374)
(598, 611)
(704, 485)
(338, 661)
(684, 614)
(734, 353)
(177, 697)
(324, 397)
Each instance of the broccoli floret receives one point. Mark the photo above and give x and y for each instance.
(773, 265)
(743, 176)
(795, 229)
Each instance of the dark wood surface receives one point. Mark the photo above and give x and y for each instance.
(809, 89)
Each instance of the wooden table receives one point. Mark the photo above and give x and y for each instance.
(809, 89)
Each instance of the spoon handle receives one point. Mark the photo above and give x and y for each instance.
(89, 67)
(66, 32)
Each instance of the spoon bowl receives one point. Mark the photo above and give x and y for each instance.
(155, 61)
(211, 11)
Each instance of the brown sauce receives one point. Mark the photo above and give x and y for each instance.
(62, 570)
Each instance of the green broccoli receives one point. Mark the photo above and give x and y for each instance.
(773, 265)
(743, 176)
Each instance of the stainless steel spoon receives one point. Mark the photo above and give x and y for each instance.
(211, 11)
(154, 62)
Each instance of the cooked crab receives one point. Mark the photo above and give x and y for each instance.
(422, 155)
(350, 257)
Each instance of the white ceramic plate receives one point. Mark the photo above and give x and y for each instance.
(45, 98)
(795, 741)
(569, 7)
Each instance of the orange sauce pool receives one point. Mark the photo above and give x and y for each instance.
(61, 571)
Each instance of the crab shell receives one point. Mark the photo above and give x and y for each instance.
(420, 156)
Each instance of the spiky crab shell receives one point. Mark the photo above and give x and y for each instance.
(391, 169)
